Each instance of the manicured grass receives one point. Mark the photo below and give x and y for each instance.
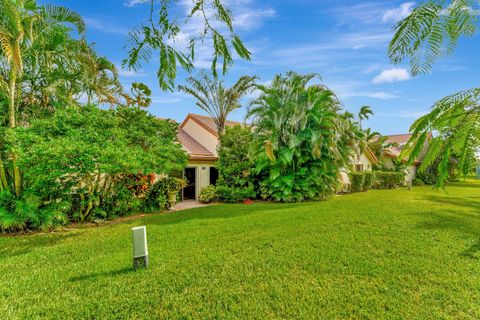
(393, 254)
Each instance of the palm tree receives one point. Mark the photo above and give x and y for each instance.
(364, 114)
(431, 29)
(213, 98)
(141, 95)
(302, 138)
(21, 23)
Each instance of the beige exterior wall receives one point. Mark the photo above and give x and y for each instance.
(367, 164)
(343, 175)
(206, 138)
(203, 174)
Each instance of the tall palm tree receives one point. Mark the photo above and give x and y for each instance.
(364, 114)
(430, 30)
(21, 23)
(213, 98)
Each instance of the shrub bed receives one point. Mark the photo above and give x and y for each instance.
(207, 194)
(388, 180)
(357, 180)
(364, 181)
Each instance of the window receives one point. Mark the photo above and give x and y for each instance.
(213, 175)
(359, 167)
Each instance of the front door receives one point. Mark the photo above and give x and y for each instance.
(189, 191)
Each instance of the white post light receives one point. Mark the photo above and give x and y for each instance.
(140, 249)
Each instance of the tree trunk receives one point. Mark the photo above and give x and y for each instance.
(17, 180)
(3, 176)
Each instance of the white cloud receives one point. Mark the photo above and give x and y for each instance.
(412, 114)
(375, 95)
(392, 75)
(250, 19)
(397, 14)
(132, 3)
(105, 26)
(165, 100)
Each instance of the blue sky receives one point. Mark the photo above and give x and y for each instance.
(344, 41)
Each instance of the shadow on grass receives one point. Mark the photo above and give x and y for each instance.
(464, 185)
(16, 246)
(461, 202)
(459, 222)
(98, 275)
(473, 251)
(226, 211)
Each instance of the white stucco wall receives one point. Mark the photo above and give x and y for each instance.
(367, 164)
(203, 175)
(206, 138)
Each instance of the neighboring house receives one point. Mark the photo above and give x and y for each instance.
(393, 153)
(199, 138)
(363, 162)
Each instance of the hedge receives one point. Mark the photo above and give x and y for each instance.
(363, 181)
(357, 180)
(388, 180)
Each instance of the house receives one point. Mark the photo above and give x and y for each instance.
(364, 161)
(199, 138)
(392, 154)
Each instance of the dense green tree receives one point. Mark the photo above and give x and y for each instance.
(216, 100)
(21, 23)
(235, 168)
(81, 157)
(431, 29)
(302, 139)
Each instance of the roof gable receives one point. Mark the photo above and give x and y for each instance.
(194, 149)
(207, 123)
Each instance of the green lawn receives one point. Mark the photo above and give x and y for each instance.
(393, 254)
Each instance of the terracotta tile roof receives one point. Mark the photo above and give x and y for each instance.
(208, 123)
(401, 140)
(195, 150)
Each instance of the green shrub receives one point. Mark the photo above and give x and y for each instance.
(418, 182)
(157, 198)
(357, 180)
(207, 194)
(234, 165)
(233, 195)
(388, 180)
(29, 213)
(369, 180)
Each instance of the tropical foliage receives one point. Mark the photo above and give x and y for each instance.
(140, 95)
(235, 168)
(94, 163)
(302, 139)
(431, 29)
(216, 100)
(163, 33)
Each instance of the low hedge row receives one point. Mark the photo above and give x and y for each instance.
(363, 181)
(226, 194)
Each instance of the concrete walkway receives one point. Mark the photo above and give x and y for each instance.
(189, 204)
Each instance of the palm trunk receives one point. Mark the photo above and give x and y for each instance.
(3, 176)
(17, 182)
